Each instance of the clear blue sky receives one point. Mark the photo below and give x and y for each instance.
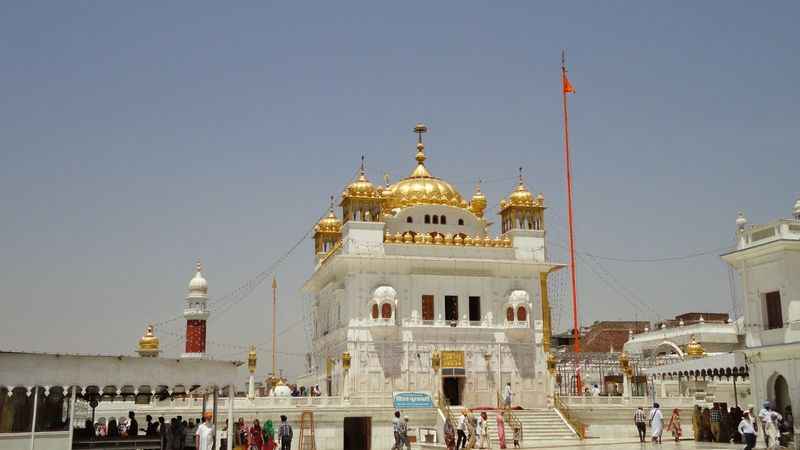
(138, 137)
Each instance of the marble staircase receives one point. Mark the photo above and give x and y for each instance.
(538, 426)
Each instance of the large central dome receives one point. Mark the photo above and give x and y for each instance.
(422, 188)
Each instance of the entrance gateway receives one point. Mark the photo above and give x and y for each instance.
(453, 377)
(357, 433)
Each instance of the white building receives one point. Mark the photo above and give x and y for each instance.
(767, 258)
(410, 292)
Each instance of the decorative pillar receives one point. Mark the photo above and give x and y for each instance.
(546, 330)
(663, 387)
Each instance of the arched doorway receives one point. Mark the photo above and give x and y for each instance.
(780, 394)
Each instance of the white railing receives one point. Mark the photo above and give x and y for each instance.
(184, 404)
(672, 402)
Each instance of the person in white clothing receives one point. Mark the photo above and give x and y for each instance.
(748, 431)
(483, 431)
(772, 430)
(656, 423)
(764, 418)
(461, 430)
(508, 395)
(204, 436)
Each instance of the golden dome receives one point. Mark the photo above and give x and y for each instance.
(361, 188)
(478, 202)
(329, 223)
(694, 349)
(520, 196)
(148, 344)
(421, 188)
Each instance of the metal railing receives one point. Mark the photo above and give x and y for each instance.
(577, 426)
(509, 418)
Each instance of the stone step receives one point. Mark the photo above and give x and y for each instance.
(540, 425)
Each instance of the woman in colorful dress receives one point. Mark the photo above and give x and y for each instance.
(675, 425)
(256, 440)
(501, 430)
(269, 436)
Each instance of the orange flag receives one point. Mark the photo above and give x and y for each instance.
(568, 89)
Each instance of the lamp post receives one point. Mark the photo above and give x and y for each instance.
(625, 366)
(346, 376)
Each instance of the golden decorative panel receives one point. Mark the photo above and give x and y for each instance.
(453, 359)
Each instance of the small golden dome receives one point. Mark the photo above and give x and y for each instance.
(694, 349)
(521, 197)
(148, 344)
(388, 237)
(506, 241)
(458, 240)
(478, 202)
(361, 187)
(398, 237)
(407, 238)
(468, 241)
(438, 240)
(448, 239)
(329, 223)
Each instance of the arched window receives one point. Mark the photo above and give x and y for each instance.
(427, 218)
(436, 219)
(386, 311)
(443, 220)
(409, 219)
(510, 314)
(461, 221)
(374, 311)
(522, 314)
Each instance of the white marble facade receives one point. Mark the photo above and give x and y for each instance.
(390, 303)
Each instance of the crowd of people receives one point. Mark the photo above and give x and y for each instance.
(303, 391)
(720, 424)
(254, 436)
(177, 434)
(472, 431)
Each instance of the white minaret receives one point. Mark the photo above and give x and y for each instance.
(797, 209)
(196, 313)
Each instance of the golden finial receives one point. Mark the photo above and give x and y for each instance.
(198, 266)
(331, 207)
(420, 129)
(386, 179)
(274, 282)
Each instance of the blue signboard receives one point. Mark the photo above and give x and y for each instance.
(412, 400)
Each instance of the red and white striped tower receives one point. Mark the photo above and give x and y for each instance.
(196, 314)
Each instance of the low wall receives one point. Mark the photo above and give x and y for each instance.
(329, 415)
(45, 440)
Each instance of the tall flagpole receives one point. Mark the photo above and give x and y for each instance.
(274, 310)
(567, 88)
